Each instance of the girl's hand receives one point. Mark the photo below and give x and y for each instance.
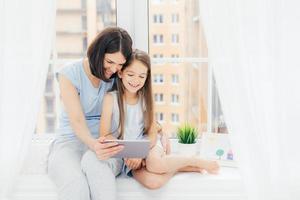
(165, 142)
(105, 150)
(133, 163)
(164, 139)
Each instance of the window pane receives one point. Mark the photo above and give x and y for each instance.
(77, 23)
(181, 24)
(181, 40)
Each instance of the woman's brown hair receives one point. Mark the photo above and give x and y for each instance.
(110, 40)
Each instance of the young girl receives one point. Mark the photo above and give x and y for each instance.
(128, 114)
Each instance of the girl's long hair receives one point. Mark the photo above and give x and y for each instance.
(144, 94)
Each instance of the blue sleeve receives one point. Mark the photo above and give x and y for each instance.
(70, 72)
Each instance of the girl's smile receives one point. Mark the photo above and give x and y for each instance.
(134, 76)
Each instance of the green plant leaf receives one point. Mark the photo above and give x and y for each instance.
(187, 134)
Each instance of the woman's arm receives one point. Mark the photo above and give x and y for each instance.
(106, 117)
(71, 102)
(73, 107)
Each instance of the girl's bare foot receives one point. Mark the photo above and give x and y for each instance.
(211, 167)
(192, 169)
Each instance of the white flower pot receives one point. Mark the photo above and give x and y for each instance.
(188, 149)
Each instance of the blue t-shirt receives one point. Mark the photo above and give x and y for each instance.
(90, 98)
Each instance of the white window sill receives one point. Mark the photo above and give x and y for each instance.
(189, 186)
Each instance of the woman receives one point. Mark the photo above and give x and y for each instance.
(82, 87)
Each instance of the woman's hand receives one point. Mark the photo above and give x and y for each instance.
(133, 163)
(105, 150)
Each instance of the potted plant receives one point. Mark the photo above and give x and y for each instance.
(187, 140)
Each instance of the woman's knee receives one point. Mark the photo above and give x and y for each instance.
(71, 184)
(88, 159)
(91, 164)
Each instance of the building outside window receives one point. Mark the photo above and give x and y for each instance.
(175, 99)
(159, 97)
(158, 39)
(175, 118)
(175, 18)
(175, 38)
(158, 55)
(158, 18)
(175, 78)
(159, 116)
(158, 78)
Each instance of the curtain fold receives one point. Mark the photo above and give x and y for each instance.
(27, 29)
(253, 50)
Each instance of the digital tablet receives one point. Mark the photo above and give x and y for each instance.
(132, 148)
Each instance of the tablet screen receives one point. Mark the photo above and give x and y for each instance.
(132, 148)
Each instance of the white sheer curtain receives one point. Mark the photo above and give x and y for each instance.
(26, 34)
(253, 48)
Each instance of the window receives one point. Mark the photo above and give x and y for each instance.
(158, 39)
(175, 99)
(175, 78)
(158, 18)
(184, 69)
(184, 66)
(175, 38)
(175, 56)
(159, 116)
(159, 98)
(74, 30)
(158, 78)
(175, 118)
(158, 55)
(175, 18)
